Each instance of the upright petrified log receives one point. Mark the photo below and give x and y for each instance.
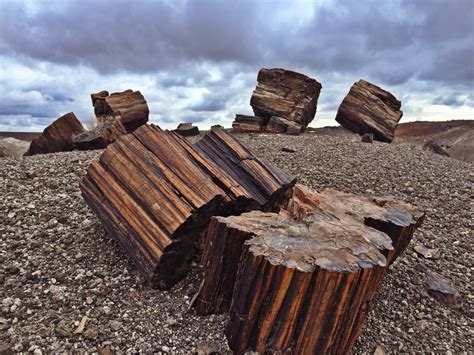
(301, 280)
(287, 94)
(101, 136)
(368, 108)
(155, 193)
(129, 106)
(58, 136)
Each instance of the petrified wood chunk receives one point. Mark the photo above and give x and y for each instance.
(367, 138)
(286, 94)
(442, 289)
(187, 130)
(101, 136)
(155, 193)
(58, 136)
(280, 125)
(301, 280)
(129, 105)
(368, 108)
(246, 124)
(435, 148)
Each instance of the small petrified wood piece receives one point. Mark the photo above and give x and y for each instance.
(301, 280)
(129, 106)
(187, 130)
(58, 136)
(101, 136)
(442, 289)
(286, 94)
(368, 108)
(155, 193)
(281, 125)
(248, 124)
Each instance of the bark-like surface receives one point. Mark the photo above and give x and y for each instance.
(58, 136)
(128, 106)
(286, 94)
(187, 130)
(155, 193)
(101, 136)
(301, 280)
(280, 125)
(248, 124)
(368, 108)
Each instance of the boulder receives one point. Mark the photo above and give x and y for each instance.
(101, 136)
(129, 106)
(286, 94)
(247, 124)
(58, 136)
(187, 130)
(368, 108)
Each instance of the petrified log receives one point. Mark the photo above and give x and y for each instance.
(58, 136)
(129, 106)
(280, 125)
(286, 94)
(155, 193)
(368, 108)
(435, 148)
(248, 124)
(187, 130)
(301, 280)
(101, 136)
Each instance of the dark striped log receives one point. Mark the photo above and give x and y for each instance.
(155, 193)
(101, 136)
(301, 280)
(128, 106)
(58, 136)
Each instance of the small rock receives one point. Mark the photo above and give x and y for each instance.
(441, 289)
(62, 329)
(427, 252)
(288, 150)
(115, 325)
(367, 138)
(92, 333)
(89, 300)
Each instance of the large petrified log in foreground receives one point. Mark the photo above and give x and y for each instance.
(155, 193)
(101, 136)
(128, 106)
(58, 136)
(301, 280)
(368, 108)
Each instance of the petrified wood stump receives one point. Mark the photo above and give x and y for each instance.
(155, 193)
(58, 136)
(128, 106)
(301, 280)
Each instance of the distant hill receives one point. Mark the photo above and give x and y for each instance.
(24, 136)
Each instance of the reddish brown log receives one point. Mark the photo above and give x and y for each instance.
(155, 193)
(187, 130)
(101, 136)
(58, 136)
(248, 124)
(301, 281)
(128, 106)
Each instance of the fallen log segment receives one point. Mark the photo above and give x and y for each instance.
(301, 280)
(58, 136)
(101, 136)
(155, 193)
(129, 106)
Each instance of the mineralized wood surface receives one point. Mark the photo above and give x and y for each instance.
(280, 125)
(130, 106)
(301, 280)
(101, 136)
(58, 136)
(187, 130)
(155, 193)
(368, 108)
(245, 124)
(286, 94)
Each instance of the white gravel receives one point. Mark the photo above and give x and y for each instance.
(57, 265)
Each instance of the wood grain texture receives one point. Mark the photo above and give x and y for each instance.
(58, 136)
(101, 136)
(301, 280)
(155, 193)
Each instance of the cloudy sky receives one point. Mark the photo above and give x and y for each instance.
(198, 60)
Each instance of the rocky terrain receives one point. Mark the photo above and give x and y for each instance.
(58, 266)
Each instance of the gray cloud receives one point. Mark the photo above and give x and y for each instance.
(454, 100)
(184, 47)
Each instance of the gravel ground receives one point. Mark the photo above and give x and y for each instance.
(57, 265)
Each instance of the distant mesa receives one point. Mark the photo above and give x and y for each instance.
(58, 136)
(368, 108)
(284, 101)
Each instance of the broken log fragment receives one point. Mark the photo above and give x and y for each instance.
(187, 130)
(155, 193)
(301, 280)
(129, 106)
(58, 136)
(100, 136)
